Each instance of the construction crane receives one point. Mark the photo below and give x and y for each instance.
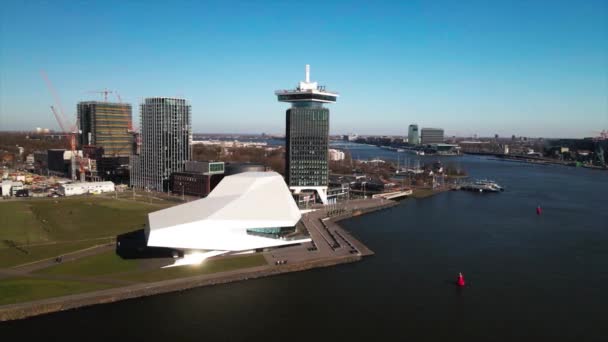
(63, 124)
(105, 93)
(72, 145)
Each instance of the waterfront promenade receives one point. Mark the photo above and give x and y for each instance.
(331, 245)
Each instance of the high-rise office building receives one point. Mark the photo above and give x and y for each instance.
(166, 137)
(106, 125)
(412, 135)
(307, 136)
(431, 136)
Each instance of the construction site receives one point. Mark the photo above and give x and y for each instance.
(100, 140)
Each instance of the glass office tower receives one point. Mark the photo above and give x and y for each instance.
(166, 142)
(307, 136)
(412, 135)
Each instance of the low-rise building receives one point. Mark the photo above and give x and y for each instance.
(198, 178)
(335, 154)
(6, 188)
(81, 188)
(10, 188)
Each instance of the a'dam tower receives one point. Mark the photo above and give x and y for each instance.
(307, 136)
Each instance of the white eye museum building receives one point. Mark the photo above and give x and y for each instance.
(249, 211)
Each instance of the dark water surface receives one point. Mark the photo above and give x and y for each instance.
(530, 277)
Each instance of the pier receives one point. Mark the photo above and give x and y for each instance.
(393, 194)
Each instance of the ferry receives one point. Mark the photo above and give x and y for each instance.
(416, 152)
(491, 184)
(482, 186)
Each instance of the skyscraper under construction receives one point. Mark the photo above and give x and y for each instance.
(166, 137)
(307, 136)
(106, 125)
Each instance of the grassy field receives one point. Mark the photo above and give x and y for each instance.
(38, 229)
(95, 265)
(66, 222)
(75, 218)
(111, 267)
(207, 267)
(18, 290)
(10, 257)
(14, 216)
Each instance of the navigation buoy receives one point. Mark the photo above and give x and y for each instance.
(539, 210)
(460, 281)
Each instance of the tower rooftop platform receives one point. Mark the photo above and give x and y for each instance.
(307, 91)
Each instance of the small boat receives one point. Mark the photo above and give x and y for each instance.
(493, 186)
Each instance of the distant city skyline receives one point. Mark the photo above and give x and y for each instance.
(536, 69)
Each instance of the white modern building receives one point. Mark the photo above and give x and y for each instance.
(336, 155)
(245, 212)
(81, 188)
(6, 188)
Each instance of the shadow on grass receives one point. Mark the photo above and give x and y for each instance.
(133, 245)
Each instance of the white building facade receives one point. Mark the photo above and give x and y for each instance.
(245, 212)
(81, 188)
(336, 155)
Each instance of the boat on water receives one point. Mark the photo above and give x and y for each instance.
(482, 186)
(416, 152)
(491, 184)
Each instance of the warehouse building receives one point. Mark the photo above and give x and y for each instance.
(81, 188)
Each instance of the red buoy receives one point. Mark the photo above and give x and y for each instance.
(539, 210)
(460, 281)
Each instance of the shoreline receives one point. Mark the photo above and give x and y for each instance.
(56, 304)
(536, 161)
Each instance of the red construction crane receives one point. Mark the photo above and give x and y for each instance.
(64, 124)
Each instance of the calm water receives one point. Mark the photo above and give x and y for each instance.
(531, 277)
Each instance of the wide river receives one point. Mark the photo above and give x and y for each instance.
(529, 277)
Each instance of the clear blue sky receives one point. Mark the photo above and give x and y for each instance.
(534, 68)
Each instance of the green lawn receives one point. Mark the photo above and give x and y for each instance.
(207, 267)
(95, 265)
(14, 216)
(10, 257)
(17, 290)
(64, 220)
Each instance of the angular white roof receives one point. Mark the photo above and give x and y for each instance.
(220, 221)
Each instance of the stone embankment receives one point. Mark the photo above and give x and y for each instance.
(24, 310)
